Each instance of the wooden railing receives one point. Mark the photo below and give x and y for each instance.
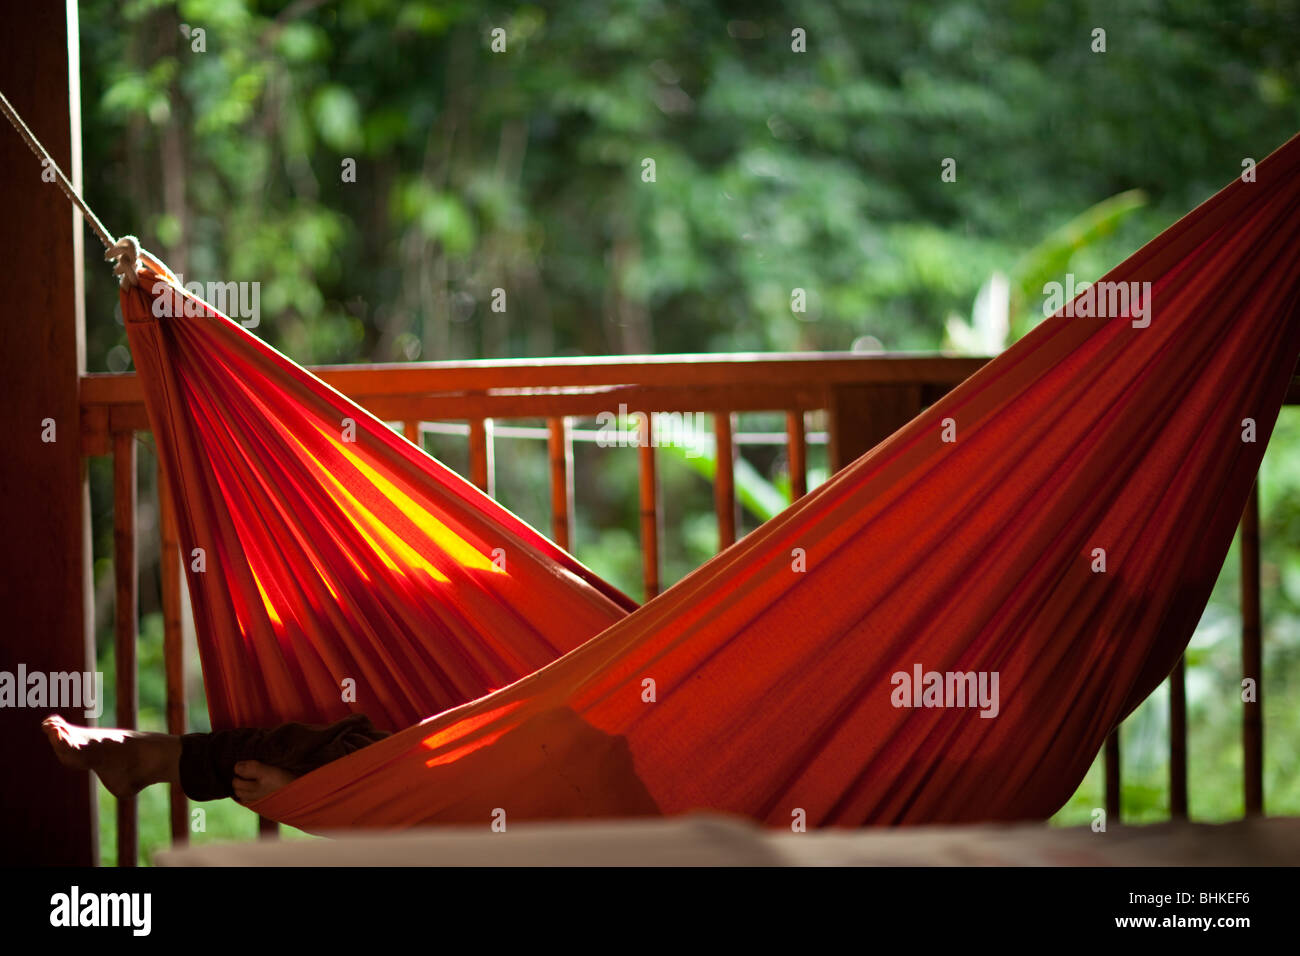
(864, 397)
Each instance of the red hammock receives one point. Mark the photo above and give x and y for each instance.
(329, 559)
(775, 689)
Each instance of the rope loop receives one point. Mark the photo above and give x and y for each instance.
(125, 256)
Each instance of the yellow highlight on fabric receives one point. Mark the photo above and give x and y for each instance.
(442, 537)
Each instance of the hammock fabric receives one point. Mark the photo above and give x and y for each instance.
(332, 548)
(774, 665)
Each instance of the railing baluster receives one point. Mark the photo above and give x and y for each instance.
(1252, 660)
(1178, 740)
(411, 429)
(724, 480)
(480, 454)
(797, 450)
(560, 449)
(1112, 777)
(125, 587)
(649, 508)
(173, 646)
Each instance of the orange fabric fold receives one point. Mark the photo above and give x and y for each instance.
(342, 568)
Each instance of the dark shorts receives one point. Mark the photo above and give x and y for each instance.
(208, 760)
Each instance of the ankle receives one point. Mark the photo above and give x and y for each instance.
(158, 758)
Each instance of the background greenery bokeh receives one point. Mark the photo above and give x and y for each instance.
(775, 170)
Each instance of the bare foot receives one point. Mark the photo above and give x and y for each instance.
(126, 761)
(255, 780)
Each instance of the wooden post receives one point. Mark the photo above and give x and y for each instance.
(45, 571)
(724, 480)
(1112, 778)
(862, 416)
(1178, 740)
(649, 501)
(560, 452)
(797, 449)
(1252, 659)
(480, 454)
(173, 647)
(126, 588)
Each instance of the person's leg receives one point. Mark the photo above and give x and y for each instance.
(245, 764)
(266, 760)
(126, 761)
(220, 764)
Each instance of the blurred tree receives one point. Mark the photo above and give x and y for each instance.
(521, 170)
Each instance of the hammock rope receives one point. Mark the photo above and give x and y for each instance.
(124, 253)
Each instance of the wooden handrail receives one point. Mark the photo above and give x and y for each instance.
(731, 369)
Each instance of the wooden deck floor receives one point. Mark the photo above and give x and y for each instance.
(709, 840)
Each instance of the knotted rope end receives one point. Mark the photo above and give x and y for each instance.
(125, 255)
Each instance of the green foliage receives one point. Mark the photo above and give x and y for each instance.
(775, 170)
(1057, 253)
